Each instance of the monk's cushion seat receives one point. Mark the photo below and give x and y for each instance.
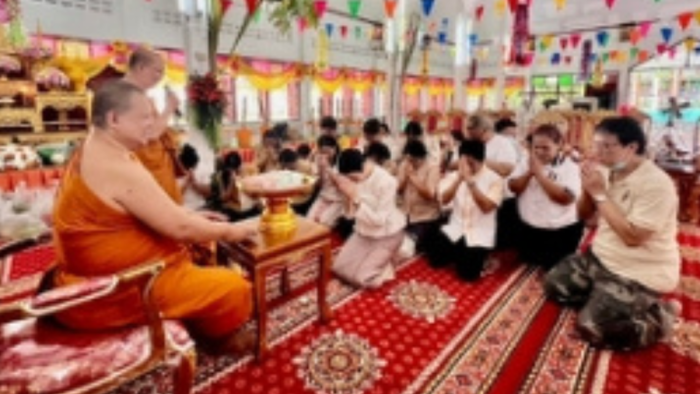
(41, 357)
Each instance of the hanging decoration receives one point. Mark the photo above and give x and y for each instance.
(560, 4)
(644, 29)
(610, 3)
(354, 7)
(343, 31)
(603, 37)
(634, 53)
(585, 66)
(390, 8)
(358, 32)
(667, 34)
(520, 36)
(575, 40)
(661, 49)
(563, 43)
(428, 7)
(501, 7)
(643, 56)
(252, 5)
(689, 44)
(635, 36)
(556, 58)
(320, 7)
(479, 12)
(302, 23)
(329, 30)
(685, 19)
(697, 16)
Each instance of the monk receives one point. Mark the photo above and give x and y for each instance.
(146, 69)
(110, 215)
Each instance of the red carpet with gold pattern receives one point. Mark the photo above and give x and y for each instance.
(428, 332)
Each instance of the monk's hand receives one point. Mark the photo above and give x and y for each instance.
(243, 233)
(213, 216)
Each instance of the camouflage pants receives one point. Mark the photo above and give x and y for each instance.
(615, 312)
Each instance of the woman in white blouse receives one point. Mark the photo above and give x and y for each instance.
(475, 191)
(547, 187)
(365, 260)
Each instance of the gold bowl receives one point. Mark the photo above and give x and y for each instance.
(277, 189)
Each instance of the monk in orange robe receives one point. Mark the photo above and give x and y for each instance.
(159, 156)
(110, 215)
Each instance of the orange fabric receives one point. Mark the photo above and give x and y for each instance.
(93, 239)
(34, 179)
(157, 157)
(5, 182)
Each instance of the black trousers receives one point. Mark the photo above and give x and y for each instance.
(508, 225)
(547, 247)
(441, 252)
(419, 231)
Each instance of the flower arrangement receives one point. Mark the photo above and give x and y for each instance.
(9, 64)
(52, 78)
(206, 102)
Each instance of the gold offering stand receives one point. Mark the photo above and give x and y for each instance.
(277, 189)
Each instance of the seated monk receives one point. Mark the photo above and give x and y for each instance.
(111, 214)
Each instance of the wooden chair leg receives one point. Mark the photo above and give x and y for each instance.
(183, 374)
(285, 286)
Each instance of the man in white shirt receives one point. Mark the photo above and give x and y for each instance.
(470, 234)
(366, 258)
(501, 157)
(635, 257)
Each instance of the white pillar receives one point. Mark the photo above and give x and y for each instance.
(306, 107)
(623, 88)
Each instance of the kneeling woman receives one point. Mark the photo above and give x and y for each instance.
(366, 258)
(547, 187)
(476, 191)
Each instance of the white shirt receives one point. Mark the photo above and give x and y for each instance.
(536, 208)
(203, 171)
(467, 219)
(377, 215)
(501, 149)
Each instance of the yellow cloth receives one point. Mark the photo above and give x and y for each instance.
(93, 239)
(159, 158)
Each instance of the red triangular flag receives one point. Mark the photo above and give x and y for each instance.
(672, 53)
(567, 59)
(479, 12)
(343, 31)
(610, 3)
(320, 7)
(635, 36)
(513, 4)
(661, 48)
(390, 8)
(643, 56)
(252, 5)
(564, 43)
(575, 40)
(685, 19)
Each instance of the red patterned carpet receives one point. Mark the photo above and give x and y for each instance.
(427, 332)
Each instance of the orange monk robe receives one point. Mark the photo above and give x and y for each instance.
(93, 239)
(159, 157)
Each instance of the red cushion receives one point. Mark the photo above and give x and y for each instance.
(63, 294)
(38, 357)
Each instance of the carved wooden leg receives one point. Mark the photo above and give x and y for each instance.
(324, 275)
(183, 375)
(285, 286)
(261, 310)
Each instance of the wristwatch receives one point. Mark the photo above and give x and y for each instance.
(599, 198)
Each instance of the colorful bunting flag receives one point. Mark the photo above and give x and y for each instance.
(329, 29)
(252, 5)
(354, 7)
(556, 58)
(390, 8)
(689, 44)
(567, 59)
(575, 40)
(635, 36)
(697, 16)
(661, 49)
(610, 3)
(634, 52)
(672, 53)
(685, 19)
(513, 4)
(644, 28)
(479, 12)
(343, 31)
(500, 7)
(606, 57)
(564, 43)
(547, 41)
(603, 37)
(320, 7)
(560, 4)
(358, 32)
(303, 24)
(667, 34)
(643, 56)
(428, 7)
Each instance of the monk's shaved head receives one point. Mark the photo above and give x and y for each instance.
(143, 57)
(115, 97)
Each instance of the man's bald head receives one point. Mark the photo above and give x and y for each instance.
(113, 97)
(146, 68)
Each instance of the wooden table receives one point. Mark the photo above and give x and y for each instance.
(277, 252)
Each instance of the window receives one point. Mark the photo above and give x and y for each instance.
(279, 105)
(248, 101)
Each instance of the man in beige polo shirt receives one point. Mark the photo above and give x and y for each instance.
(634, 258)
